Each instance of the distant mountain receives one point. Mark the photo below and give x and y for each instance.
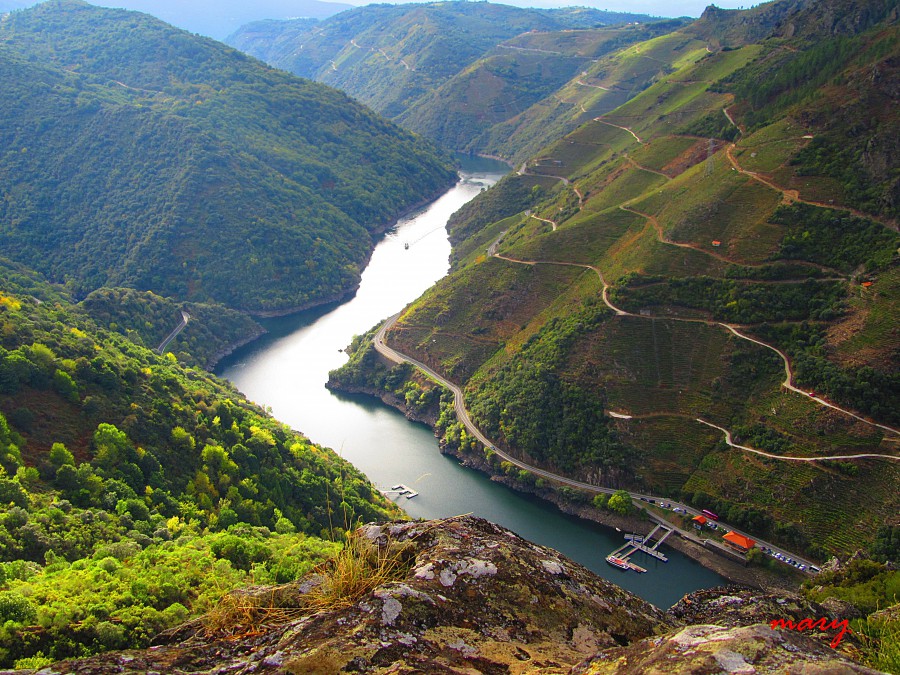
(214, 18)
(135, 154)
(480, 102)
(390, 56)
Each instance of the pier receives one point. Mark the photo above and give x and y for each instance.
(402, 490)
(636, 542)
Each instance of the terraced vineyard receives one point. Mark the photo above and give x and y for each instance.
(686, 210)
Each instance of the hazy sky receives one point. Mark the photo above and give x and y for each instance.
(654, 7)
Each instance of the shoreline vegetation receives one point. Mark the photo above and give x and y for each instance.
(377, 233)
(419, 401)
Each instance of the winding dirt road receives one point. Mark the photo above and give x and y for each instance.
(610, 124)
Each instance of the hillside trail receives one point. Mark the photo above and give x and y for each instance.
(646, 168)
(788, 382)
(790, 196)
(610, 124)
(592, 86)
(552, 223)
(661, 237)
(523, 171)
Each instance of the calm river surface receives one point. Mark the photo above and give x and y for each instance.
(287, 370)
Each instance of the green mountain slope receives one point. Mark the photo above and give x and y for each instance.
(514, 76)
(651, 264)
(136, 491)
(390, 56)
(602, 86)
(169, 162)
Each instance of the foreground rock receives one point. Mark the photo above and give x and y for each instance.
(467, 596)
(717, 649)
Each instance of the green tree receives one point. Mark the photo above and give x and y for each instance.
(60, 456)
(620, 502)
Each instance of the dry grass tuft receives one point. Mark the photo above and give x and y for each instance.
(361, 566)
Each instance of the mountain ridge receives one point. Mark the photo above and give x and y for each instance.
(307, 166)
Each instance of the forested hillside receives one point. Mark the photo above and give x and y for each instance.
(169, 162)
(135, 491)
(392, 56)
(210, 332)
(717, 252)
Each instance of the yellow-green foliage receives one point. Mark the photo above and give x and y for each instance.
(662, 150)
(123, 595)
(771, 147)
(700, 207)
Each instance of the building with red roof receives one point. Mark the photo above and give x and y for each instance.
(739, 542)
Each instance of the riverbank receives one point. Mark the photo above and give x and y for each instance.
(376, 233)
(232, 347)
(286, 370)
(735, 572)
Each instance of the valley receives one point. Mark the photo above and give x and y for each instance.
(676, 314)
(641, 343)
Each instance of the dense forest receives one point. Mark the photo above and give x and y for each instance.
(212, 331)
(137, 491)
(172, 163)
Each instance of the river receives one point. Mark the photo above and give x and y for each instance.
(287, 370)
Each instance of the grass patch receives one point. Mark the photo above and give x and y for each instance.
(702, 206)
(582, 239)
(623, 183)
(661, 151)
(361, 566)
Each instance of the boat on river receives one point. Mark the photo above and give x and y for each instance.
(621, 563)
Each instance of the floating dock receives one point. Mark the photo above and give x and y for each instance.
(402, 490)
(636, 542)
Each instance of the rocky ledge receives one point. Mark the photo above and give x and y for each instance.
(466, 596)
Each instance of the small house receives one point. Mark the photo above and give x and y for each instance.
(739, 542)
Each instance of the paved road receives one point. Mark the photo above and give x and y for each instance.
(463, 415)
(185, 317)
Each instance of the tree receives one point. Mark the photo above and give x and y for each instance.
(60, 455)
(620, 502)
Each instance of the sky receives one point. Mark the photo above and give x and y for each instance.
(652, 7)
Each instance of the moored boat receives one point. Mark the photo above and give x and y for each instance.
(618, 562)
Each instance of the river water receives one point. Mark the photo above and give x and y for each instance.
(287, 370)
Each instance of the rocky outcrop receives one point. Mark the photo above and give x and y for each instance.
(468, 596)
(717, 649)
